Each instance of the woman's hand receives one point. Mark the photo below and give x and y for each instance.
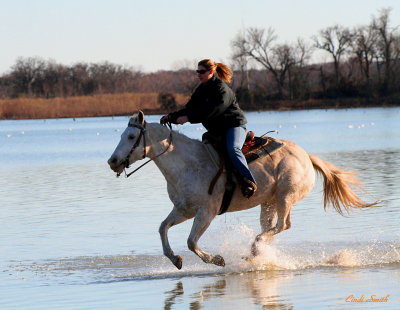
(164, 119)
(182, 120)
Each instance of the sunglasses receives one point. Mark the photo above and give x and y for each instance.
(202, 71)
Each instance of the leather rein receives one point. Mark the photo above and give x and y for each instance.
(142, 135)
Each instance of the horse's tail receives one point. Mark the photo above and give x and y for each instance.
(337, 186)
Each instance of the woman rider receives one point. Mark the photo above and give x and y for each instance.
(213, 103)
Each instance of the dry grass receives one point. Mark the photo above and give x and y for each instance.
(84, 106)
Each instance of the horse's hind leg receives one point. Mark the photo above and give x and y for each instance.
(172, 219)
(284, 203)
(201, 222)
(268, 216)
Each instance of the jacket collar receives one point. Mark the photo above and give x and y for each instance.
(213, 79)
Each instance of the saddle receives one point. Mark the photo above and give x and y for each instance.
(253, 149)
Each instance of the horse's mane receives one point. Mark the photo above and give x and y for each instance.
(194, 149)
(179, 135)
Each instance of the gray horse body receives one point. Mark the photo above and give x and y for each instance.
(283, 179)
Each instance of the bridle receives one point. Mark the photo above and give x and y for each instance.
(142, 129)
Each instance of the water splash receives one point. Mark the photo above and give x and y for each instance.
(294, 256)
(233, 244)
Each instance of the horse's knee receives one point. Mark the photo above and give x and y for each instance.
(162, 228)
(191, 244)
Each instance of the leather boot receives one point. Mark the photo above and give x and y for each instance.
(248, 188)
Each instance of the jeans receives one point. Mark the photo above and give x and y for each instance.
(235, 137)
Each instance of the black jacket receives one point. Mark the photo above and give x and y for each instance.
(214, 105)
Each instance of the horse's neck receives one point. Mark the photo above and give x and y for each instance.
(183, 153)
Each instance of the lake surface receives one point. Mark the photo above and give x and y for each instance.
(73, 236)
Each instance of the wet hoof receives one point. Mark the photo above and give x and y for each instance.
(218, 260)
(178, 262)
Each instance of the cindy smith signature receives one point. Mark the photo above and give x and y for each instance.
(372, 298)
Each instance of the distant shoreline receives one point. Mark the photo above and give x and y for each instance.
(129, 103)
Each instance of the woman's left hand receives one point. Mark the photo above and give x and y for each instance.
(164, 120)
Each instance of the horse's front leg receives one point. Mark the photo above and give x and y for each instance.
(202, 220)
(172, 219)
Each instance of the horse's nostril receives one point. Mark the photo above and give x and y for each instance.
(112, 160)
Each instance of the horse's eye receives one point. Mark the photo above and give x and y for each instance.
(131, 137)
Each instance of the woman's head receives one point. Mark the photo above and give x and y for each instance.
(207, 68)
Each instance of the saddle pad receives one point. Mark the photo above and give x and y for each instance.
(264, 146)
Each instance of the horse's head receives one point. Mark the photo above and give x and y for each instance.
(132, 146)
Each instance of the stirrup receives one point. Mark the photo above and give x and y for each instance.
(248, 188)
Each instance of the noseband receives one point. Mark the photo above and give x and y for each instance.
(142, 134)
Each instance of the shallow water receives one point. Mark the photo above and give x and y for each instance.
(75, 237)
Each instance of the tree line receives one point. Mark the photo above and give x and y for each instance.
(365, 62)
(35, 77)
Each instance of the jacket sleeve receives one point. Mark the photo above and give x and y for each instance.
(192, 110)
(216, 100)
(173, 116)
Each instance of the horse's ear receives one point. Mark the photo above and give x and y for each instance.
(140, 118)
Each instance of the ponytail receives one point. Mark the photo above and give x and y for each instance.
(223, 71)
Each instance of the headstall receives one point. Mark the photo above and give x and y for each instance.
(142, 134)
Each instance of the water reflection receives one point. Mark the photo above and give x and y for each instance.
(170, 300)
(234, 291)
(264, 290)
(207, 292)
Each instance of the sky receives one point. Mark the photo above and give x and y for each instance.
(153, 35)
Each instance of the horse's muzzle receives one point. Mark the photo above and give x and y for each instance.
(115, 165)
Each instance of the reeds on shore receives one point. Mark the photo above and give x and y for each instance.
(84, 106)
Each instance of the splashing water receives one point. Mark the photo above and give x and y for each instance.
(233, 244)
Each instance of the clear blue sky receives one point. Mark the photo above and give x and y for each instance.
(159, 34)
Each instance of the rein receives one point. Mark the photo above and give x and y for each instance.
(142, 134)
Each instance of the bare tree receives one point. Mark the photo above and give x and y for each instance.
(396, 66)
(299, 72)
(27, 75)
(79, 80)
(282, 61)
(364, 47)
(335, 40)
(241, 80)
(240, 65)
(385, 47)
(257, 44)
(52, 79)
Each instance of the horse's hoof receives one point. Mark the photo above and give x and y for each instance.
(218, 260)
(178, 262)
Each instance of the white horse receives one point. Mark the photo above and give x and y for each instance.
(283, 179)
